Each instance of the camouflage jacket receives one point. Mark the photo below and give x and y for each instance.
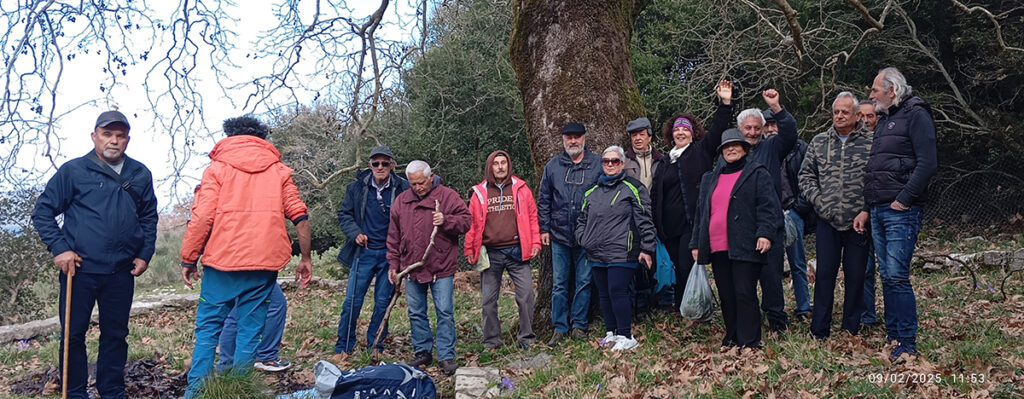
(832, 176)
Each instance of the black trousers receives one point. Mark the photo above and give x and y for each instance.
(682, 259)
(835, 247)
(773, 302)
(113, 293)
(737, 289)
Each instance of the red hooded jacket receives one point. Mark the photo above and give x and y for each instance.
(526, 219)
(239, 211)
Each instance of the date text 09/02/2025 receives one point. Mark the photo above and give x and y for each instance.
(925, 378)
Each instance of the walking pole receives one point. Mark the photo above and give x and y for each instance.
(401, 275)
(67, 330)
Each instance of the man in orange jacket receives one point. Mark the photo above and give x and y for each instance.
(237, 224)
(505, 224)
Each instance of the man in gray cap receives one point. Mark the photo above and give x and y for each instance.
(364, 217)
(642, 159)
(107, 239)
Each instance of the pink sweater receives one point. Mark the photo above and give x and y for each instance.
(719, 223)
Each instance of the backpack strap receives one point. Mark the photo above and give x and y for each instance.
(117, 177)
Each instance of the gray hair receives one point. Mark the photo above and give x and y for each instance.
(418, 166)
(849, 95)
(618, 150)
(866, 102)
(891, 77)
(748, 113)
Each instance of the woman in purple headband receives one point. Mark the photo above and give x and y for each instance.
(675, 186)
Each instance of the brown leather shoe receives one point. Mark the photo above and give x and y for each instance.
(421, 359)
(556, 338)
(448, 367)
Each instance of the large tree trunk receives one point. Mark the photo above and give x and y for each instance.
(572, 65)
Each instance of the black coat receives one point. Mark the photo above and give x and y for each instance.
(674, 204)
(754, 211)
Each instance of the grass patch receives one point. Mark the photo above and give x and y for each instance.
(674, 359)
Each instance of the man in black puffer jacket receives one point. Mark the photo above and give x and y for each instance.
(903, 159)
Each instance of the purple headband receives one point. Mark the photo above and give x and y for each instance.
(684, 123)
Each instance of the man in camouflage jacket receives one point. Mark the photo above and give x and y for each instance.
(832, 179)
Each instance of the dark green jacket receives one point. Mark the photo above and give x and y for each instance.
(615, 223)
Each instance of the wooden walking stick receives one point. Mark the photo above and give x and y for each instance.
(67, 330)
(398, 285)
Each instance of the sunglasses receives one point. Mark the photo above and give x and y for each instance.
(378, 164)
(611, 161)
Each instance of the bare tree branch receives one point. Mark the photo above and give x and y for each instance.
(995, 22)
(794, 26)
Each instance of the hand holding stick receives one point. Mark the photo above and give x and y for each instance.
(398, 284)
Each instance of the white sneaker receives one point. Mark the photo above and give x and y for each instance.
(610, 339)
(625, 343)
(272, 365)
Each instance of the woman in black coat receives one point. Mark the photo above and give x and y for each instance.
(737, 222)
(675, 186)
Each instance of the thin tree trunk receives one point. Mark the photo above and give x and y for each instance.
(572, 65)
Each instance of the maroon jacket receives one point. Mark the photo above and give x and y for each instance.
(411, 224)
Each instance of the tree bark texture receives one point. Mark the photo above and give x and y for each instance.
(572, 64)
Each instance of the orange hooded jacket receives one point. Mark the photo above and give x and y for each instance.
(239, 209)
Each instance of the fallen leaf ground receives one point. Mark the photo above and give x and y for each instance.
(971, 350)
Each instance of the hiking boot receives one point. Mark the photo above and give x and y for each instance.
(421, 359)
(578, 334)
(556, 338)
(273, 365)
(625, 343)
(448, 367)
(899, 351)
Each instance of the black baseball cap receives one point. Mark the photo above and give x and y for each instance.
(110, 117)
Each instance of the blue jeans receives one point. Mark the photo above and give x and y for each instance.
(113, 294)
(270, 342)
(245, 291)
(798, 265)
(567, 261)
(869, 316)
(422, 338)
(895, 235)
(369, 264)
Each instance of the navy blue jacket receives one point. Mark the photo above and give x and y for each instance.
(102, 223)
(562, 189)
(350, 215)
(903, 155)
(753, 212)
(771, 151)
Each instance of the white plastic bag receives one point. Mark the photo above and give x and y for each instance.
(698, 301)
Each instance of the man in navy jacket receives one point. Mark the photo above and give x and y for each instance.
(364, 217)
(107, 238)
(771, 152)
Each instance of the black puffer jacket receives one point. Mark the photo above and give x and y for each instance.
(753, 212)
(615, 222)
(903, 155)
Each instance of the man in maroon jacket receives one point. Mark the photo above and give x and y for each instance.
(413, 218)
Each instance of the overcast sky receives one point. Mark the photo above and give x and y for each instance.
(83, 76)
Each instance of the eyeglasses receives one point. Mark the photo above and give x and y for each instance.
(378, 164)
(611, 161)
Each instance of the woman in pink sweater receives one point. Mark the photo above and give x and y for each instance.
(739, 218)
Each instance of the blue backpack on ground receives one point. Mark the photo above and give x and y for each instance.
(396, 380)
